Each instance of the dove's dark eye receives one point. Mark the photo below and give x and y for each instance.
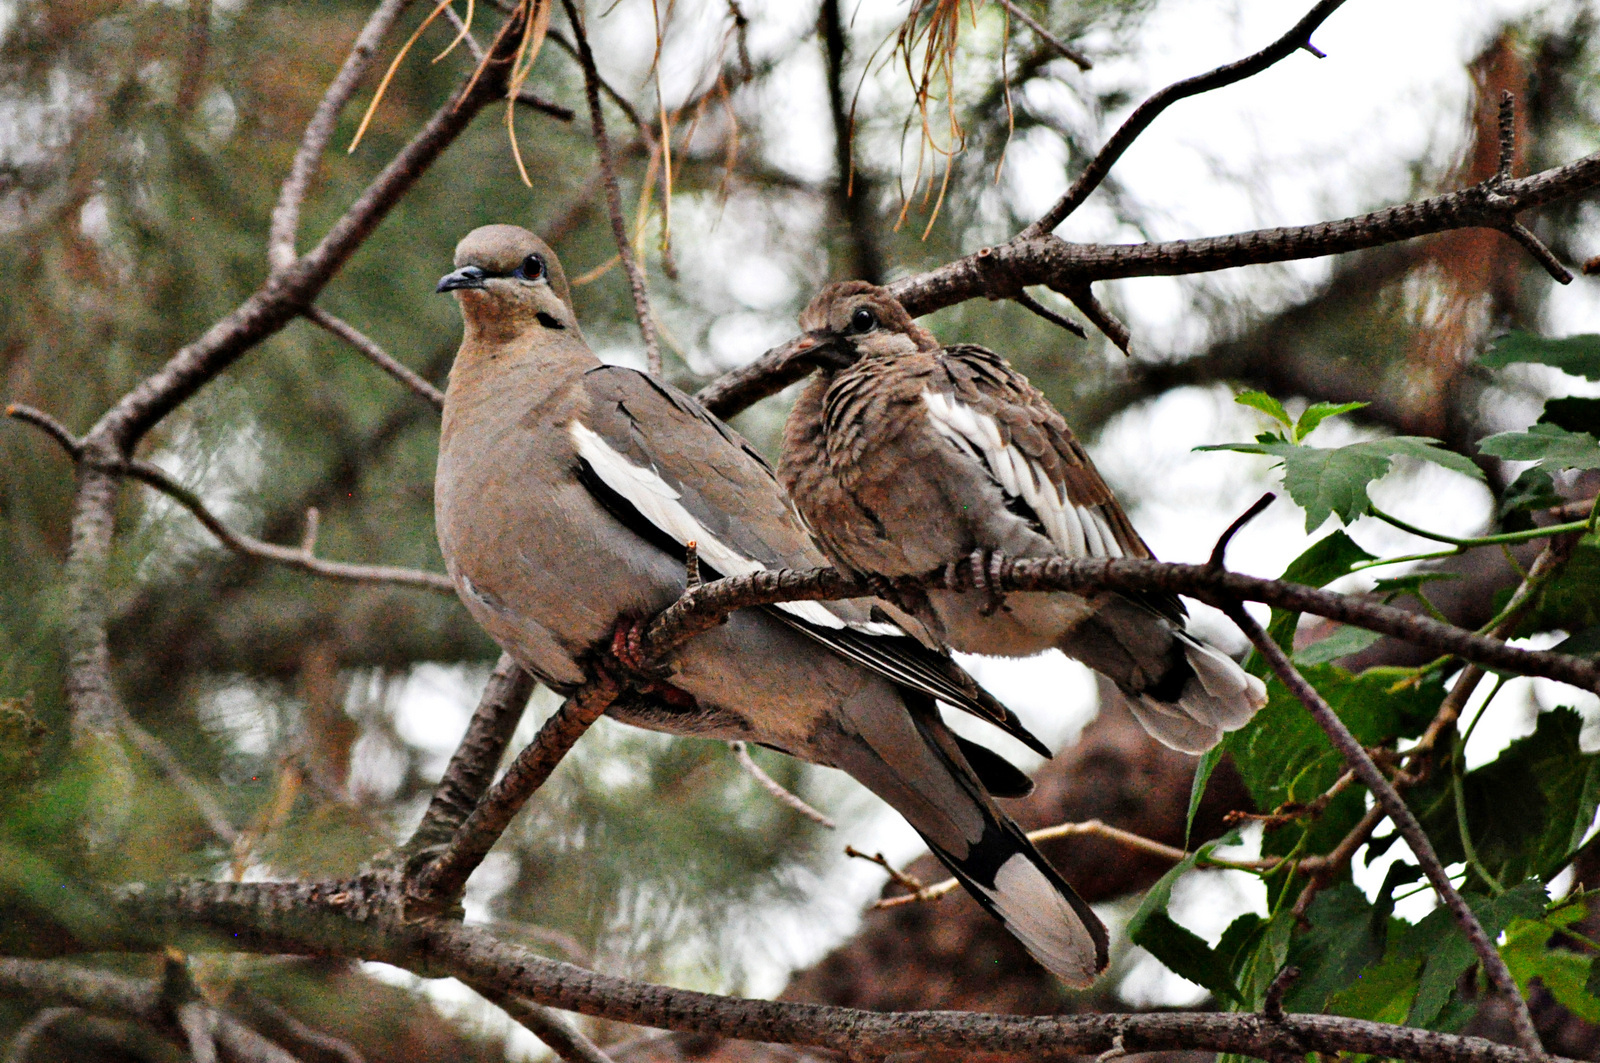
(863, 320)
(532, 268)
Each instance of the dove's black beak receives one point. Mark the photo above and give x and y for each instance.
(465, 277)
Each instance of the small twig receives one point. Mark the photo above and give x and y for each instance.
(1542, 254)
(691, 565)
(35, 1028)
(165, 759)
(646, 132)
(1272, 1004)
(1322, 869)
(1116, 1051)
(50, 426)
(772, 786)
(1095, 827)
(560, 1036)
(898, 877)
(619, 226)
(1100, 317)
(1077, 58)
(1022, 298)
(440, 883)
(285, 225)
(376, 355)
(1219, 552)
(1147, 111)
(527, 97)
(1395, 808)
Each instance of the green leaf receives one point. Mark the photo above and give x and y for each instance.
(1530, 808)
(1412, 582)
(1197, 789)
(1532, 489)
(1318, 412)
(1571, 601)
(1551, 446)
(1318, 565)
(1448, 953)
(1578, 355)
(1342, 938)
(1181, 949)
(1565, 974)
(1344, 641)
(1327, 482)
(1382, 991)
(1573, 414)
(1260, 400)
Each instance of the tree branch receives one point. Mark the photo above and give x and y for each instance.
(477, 758)
(619, 226)
(440, 882)
(1394, 806)
(1299, 36)
(377, 356)
(356, 919)
(558, 1035)
(1072, 55)
(285, 225)
(700, 609)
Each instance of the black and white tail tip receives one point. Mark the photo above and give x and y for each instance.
(1010, 878)
(1218, 696)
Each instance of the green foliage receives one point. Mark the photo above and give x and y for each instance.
(1180, 948)
(1578, 355)
(1570, 977)
(1333, 481)
(1551, 446)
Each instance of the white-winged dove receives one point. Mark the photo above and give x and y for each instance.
(567, 492)
(904, 455)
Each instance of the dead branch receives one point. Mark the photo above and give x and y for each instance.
(560, 1036)
(741, 753)
(1071, 54)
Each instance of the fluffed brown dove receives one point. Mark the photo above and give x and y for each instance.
(567, 492)
(904, 455)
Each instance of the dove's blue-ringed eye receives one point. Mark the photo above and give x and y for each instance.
(532, 268)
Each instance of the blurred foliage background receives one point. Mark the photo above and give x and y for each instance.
(141, 146)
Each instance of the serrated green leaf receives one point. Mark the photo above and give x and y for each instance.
(1532, 489)
(1342, 938)
(1260, 400)
(1411, 582)
(1573, 414)
(1578, 355)
(1180, 949)
(1318, 412)
(1448, 953)
(1318, 565)
(1333, 481)
(1384, 990)
(1565, 974)
(1343, 642)
(1549, 445)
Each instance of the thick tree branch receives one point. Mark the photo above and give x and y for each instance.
(357, 919)
(700, 609)
(1002, 270)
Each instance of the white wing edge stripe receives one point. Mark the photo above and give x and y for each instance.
(1077, 531)
(657, 501)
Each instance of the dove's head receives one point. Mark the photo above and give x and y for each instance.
(509, 283)
(852, 320)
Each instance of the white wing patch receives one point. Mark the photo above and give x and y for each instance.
(1077, 531)
(659, 503)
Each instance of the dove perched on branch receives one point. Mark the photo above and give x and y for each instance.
(904, 455)
(567, 494)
